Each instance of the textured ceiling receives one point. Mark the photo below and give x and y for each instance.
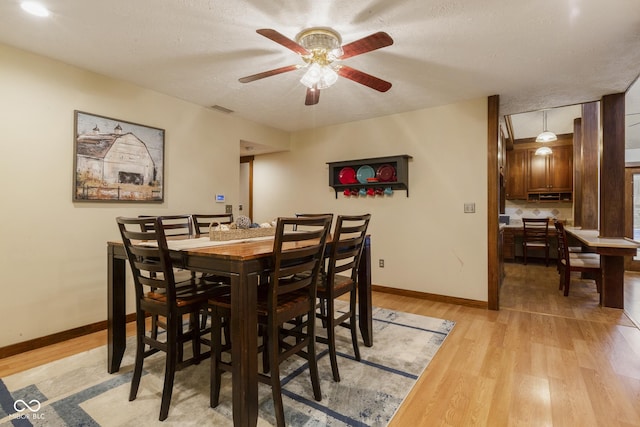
(533, 53)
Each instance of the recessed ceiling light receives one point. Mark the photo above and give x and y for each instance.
(35, 8)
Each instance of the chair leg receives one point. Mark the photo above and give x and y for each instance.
(567, 281)
(312, 358)
(274, 369)
(524, 254)
(331, 339)
(353, 325)
(194, 327)
(546, 256)
(170, 365)
(137, 370)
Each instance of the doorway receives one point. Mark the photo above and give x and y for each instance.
(246, 187)
(632, 209)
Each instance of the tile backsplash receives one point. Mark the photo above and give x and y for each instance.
(517, 210)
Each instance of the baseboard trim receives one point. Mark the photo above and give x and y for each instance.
(431, 297)
(58, 337)
(36, 343)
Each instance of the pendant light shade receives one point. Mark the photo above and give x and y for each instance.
(543, 151)
(546, 136)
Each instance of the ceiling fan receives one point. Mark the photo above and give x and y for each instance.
(320, 49)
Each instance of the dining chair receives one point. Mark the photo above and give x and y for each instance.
(289, 294)
(535, 237)
(202, 222)
(341, 279)
(306, 215)
(158, 294)
(585, 263)
(175, 225)
(573, 250)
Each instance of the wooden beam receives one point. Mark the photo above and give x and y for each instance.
(612, 166)
(612, 196)
(493, 205)
(577, 172)
(590, 153)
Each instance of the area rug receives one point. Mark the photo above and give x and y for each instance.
(78, 391)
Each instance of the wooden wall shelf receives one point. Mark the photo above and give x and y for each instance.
(400, 163)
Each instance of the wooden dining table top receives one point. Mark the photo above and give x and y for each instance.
(242, 249)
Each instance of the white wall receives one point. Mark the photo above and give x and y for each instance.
(53, 251)
(427, 242)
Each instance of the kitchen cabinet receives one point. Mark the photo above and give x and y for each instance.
(508, 244)
(540, 178)
(551, 173)
(516, 178)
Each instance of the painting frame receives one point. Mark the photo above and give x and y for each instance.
(117, 160)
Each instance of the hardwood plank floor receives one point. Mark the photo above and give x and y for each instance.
(543, 359)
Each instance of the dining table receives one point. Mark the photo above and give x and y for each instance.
(612, 252)
(243, 262)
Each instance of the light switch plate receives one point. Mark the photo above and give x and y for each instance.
(469, 208)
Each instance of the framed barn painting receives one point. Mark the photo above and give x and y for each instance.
(117, 161)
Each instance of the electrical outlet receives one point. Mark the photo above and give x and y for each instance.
(381, 263)
(228, 209)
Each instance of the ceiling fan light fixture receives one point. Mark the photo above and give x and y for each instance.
(319, 77)
(546, 136)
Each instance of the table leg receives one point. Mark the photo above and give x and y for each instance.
(116, 324)
(612, 280)
(244, 349)
(364, 294)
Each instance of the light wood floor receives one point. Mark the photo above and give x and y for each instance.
(543, 359)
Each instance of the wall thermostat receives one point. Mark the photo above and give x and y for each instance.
(219, 198)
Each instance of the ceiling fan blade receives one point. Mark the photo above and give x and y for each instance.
(366, 44)
(283, 40)
(364, 78)
(269, 73)
(313, 96)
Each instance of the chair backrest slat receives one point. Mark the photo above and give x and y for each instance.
(348, 242)
(297, 255)
(145, 243)
(535, 229)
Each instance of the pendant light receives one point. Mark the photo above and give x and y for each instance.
(543, 151)
(546, 136)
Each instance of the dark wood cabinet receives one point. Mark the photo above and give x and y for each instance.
(508, 244)
(540, 178)
(516, 178)
(552, 173)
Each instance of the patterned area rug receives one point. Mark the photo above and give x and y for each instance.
(78, 391)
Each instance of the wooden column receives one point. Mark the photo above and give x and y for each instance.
(612, 167)
(589, 165)
(612, 196)
(577, 172)
(493, 205)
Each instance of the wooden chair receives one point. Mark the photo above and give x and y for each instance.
(289, 294)
(348, 241)
(535, 237)
(158, 294)
(573, 250)
(586, 263)
(202, 222)
(175, 225)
